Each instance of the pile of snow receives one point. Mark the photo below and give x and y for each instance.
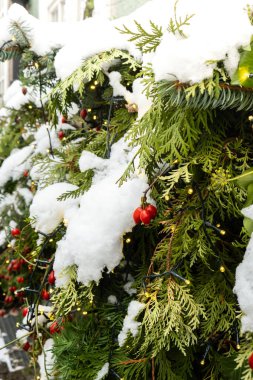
(244, 281)
(103, 372)
(129, 324)
(46, 361)
(42, 139)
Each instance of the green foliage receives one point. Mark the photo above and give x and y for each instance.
(145, 41)
(176, 24)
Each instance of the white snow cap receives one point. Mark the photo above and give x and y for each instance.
(129, 324)
(14, 166)
(103, 372)
(47, 361)
(93, 238)
(42, 139)
(48, 211)
(244, 281)
(187, 58)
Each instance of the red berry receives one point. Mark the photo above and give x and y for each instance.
(152, 210)
(136, 215)
(83, 113)
(15, 232)
(8, 299)
(12, 289)
(20, 280)
(64, 119)
(45, 294)
(54, 328)
(61, 135)
(26, 173)
(16, 265)
(51, 278)
(250, 360)
(24, 90)
(26, 346)
(145, 217)
(25, 311)
(2, 312)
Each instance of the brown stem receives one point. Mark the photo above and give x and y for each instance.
(153, 368)
(133, 361)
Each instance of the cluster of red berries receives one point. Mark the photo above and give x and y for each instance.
(145, 214)
(15, 265)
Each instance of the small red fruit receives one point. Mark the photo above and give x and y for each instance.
(83, 113)
(15, 232)
(24, 90)
(12, 289)
(26, 173)
(20, 280)
(54, 328)
(250, 360)
(136, 215)
(145, 217)
(61, 135)
(8, 299)
(64, 119)
(25, 311)
(26, 346)
(45, 294)
(2, 312)
(51, 278)
(16, 265)
(152, 210)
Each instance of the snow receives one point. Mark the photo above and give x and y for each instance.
(187, 58)
(112, 300)
(22, 334)
(48, 211)
(15, 99)
(46, 361)
(94, 236)
(14, 166)
(129, 324)
(42, 139)
(26, 194)
(244, 281)
(103, 372)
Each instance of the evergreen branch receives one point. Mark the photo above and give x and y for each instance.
(177, 24)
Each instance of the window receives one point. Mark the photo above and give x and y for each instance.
(56, 10)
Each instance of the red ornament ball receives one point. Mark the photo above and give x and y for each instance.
(24, 90)
(136, 215)
(26, 173)
(26, 346)
(45, 295)
(51, 278)
(61, 134)
(250, 360)
(145, 216)
(15, 232)
(8, 299)
(64, 119)
(83, 113)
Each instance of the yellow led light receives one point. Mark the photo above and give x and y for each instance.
(202, 362)
(167, 197)
(36, 65)
(222, 232)
(30, 106)
(65, 222)
(41, 311)
(7, 261)
(128, 240)
(218, 225)
(187, 282)
(51, 291)
(96, 83)
(92, 87)
(238, 346)
(222, 269)
(95, 117)
(78, 309)
(64, 139)
(51, 240)
(9, 245)
(243, 74)
(17, 324)
(190, 191)
(147, 294)
(105, 123)
(85, 312)
(250, 118)
(38, 378)
(175, 162)
(89, 110)
(48, 150)
(134, 106)
(91, 301)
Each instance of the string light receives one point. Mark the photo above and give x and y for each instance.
(222, 269)
(96, 83)
(36, 65)
(9, 245)
(190, 191)
(30, 106)
(85, 312)
(202, 362)
(89, 109)
(7, 261)
(250, 118)
(95, 117)
(167, 197)
(78, 309)
(65, 222)
(128, 240)
(51, 240)
(92, 87)
(222, 232)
